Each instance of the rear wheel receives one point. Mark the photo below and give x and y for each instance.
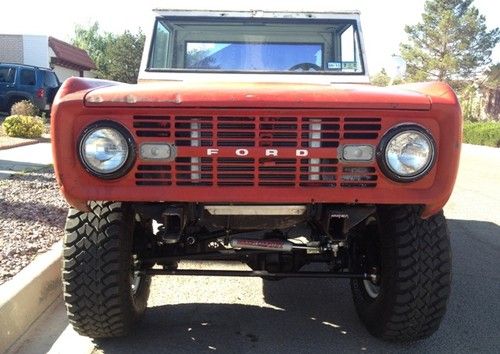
(103, 290)
(12, 102)
(412, 257)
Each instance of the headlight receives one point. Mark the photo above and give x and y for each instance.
(406, 153)
(106, 149)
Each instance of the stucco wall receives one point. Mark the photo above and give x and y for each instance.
(11, 48)
(89, 74)
(36, 50)
(64, 73)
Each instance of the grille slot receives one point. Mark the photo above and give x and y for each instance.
(152, 126)
(358, 177)
(236, 131)
(318, 173)
(361, 128)
(193, 131)
(320, 132)
(280, 132)
(276, 172)
(235, 172)
(193, 171)
(153, 175)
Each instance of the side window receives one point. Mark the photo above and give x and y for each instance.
(159, 53)
(50, 79)
(7, 75)
(28, 77)
(351, 61)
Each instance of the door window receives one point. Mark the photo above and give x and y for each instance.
(7, 75)
(50, 79)
(28, 77)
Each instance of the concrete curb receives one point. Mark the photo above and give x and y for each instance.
(26, 296)
(22, 143)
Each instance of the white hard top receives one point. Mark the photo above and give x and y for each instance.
(266, 9)
(353, 14)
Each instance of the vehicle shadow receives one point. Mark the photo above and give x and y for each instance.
(318, 316)
(27, 171)
(236, 328)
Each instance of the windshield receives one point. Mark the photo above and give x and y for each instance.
(267, 46)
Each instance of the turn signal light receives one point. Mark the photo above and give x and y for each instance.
(156, 151)
(357, 152)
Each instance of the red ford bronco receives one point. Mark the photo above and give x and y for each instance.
(255, 136)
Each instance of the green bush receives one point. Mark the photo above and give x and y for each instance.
(23, 126)
(24, 108)
(482, 133)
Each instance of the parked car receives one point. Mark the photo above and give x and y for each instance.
(256, 136)
(20, 82)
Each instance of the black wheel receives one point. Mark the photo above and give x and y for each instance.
(407, 300)
(103, 291)
(11, 103)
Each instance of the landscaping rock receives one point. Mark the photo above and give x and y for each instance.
(32, 217)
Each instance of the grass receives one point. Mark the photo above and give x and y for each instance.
(482, 133)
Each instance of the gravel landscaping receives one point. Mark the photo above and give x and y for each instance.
(32, 216)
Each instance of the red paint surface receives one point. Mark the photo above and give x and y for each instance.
(432, 105)
(265, 95)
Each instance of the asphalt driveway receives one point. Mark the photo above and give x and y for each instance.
(189, 314)
(246, 315)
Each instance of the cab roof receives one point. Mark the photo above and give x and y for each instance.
(324, 15)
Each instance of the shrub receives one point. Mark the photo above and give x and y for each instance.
(482, 133)
(23, 126)
(24, 108)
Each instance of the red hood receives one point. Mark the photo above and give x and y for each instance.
(264, 95)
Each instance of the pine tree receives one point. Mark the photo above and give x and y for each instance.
(451, 43)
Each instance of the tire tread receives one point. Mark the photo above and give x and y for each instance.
(417, 262)
(96, 258)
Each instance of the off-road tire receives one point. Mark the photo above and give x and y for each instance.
(415, 261)
(97, 265)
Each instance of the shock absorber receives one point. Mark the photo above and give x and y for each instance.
(270, 245)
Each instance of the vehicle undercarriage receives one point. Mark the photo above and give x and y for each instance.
(274, 241)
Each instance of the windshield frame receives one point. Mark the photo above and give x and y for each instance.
(165, 19)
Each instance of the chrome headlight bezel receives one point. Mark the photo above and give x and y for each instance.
(129, 141)
(389, 136)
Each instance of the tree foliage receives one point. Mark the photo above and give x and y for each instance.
(117, 56)
(493, 76)
(451, 43)
(380, 79)
(124, 57)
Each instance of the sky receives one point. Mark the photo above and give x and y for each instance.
(383, 21)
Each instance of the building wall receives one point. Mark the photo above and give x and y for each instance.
(64, 73)
(33, 50)
(88, 74)
(36, 50)
(11, 48)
